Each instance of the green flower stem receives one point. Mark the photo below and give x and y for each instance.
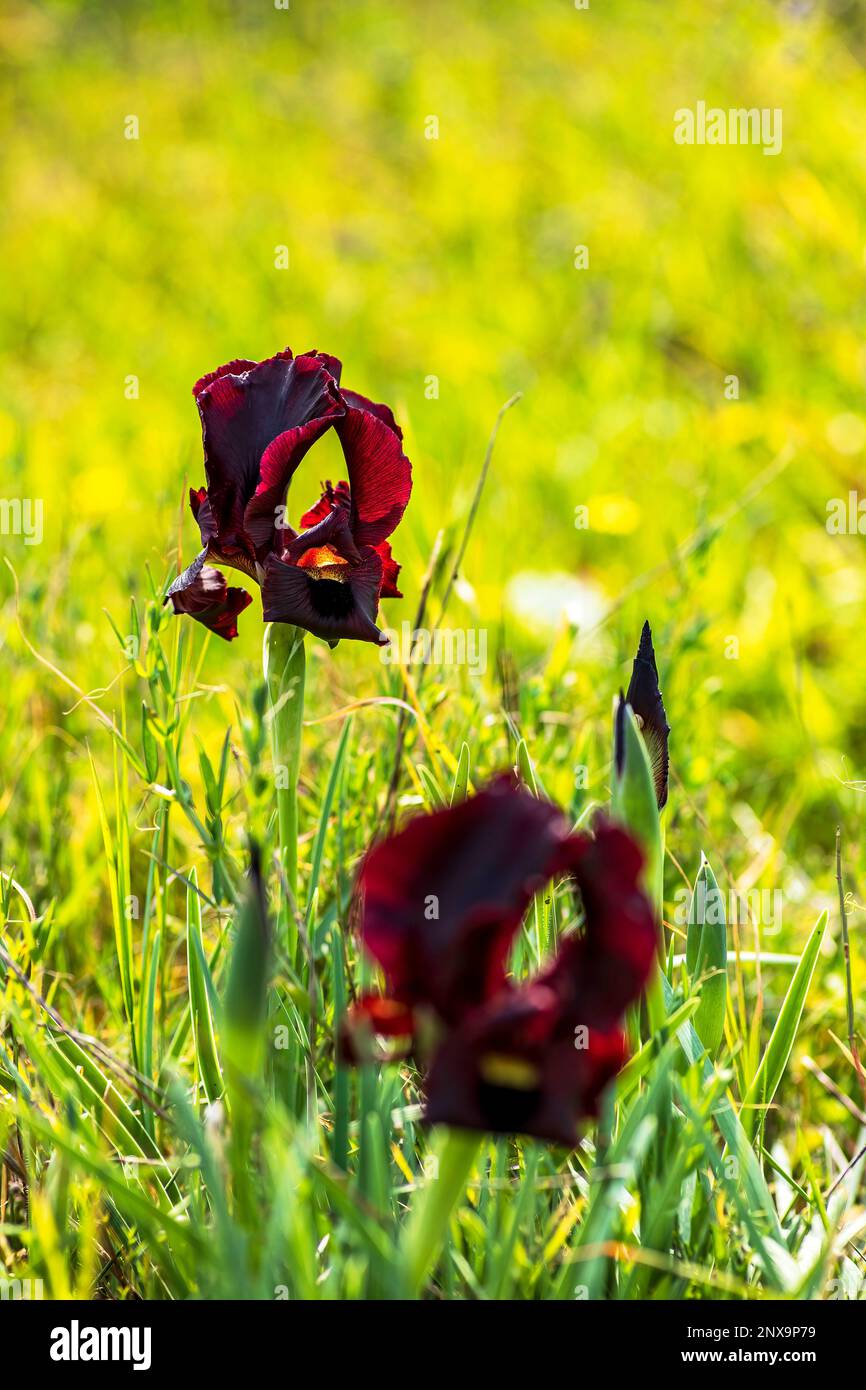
(633, 804)
(454, 1151)
(284, 667)
(656, 1011)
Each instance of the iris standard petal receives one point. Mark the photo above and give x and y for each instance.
(380, 475)
(243, 413)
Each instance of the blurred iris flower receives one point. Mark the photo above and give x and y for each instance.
(442, 903)
(258, 421)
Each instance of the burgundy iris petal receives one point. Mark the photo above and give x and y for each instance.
(598, 973)
(331, 497)
(200, 507)
(330, 601)
(380, 475)
(515, 1067)
(243, 414)
(209, 599)
(258, 421)
(442, 902)
(444, 898)
(282, 457)
(331, 364)
(371, 1018)
(382, 412)
(333, 530)
(240, 364)
(390, 571)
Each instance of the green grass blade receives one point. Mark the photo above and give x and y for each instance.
(325, 816)
(526, 768)
(433, 794)
(117, 853)
(772, 1066)
(706, 957)
(633, 801)
(461, 776)
(200, 992)
(732, 1131)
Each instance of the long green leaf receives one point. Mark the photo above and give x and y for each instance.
(733, 1133)
(200, 991)
(117, 853)
(772, 1066)
(633, 798)
(325, 816)
(706, 957)
(461, 776)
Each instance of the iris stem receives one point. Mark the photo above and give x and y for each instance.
(656, 1011)
(453, 1153)
(284, 661)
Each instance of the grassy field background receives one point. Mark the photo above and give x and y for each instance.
(442, 271)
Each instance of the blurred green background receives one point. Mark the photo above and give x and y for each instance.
(453, 258)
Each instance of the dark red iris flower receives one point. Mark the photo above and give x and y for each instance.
(442, 903)
(258, 421)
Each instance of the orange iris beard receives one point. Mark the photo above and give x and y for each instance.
(324, 563)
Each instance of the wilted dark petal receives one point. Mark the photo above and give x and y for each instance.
(242, 413)
(189, 575)
(599, 973)
(208, 599)
(380, 475)
(382, 412)
(645, 698)
(444, 897)
(390, 571)
(372, 1017)
(328, 607)
(511, 1067)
